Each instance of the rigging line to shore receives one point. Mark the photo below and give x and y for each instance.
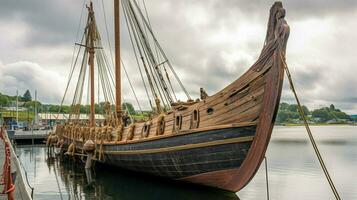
(266, 176)
(26, 174)
(311, 137)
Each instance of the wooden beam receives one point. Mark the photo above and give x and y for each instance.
(117, 59)
(91, 68)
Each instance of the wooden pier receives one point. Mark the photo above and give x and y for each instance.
(28, 137)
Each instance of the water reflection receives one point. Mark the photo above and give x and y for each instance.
(59, 178)
(294, 173)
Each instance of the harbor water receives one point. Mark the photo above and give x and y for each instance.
(293, 172)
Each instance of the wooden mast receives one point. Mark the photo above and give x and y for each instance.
(91, 66)
(117, 60)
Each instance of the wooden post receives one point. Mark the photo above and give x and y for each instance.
(117, 59)
(17, 108)
(91, 68)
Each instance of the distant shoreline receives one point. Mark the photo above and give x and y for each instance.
(318, 124)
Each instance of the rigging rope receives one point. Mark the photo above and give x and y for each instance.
(132, 34)
(144, 41)
(131, 86)
(161, 50)
(157, 53)
(150, 56)
(137, 62)
(142, 44)
(140, 31)
(111, 55)
(73, 64)
(149, 22)
(302, 115)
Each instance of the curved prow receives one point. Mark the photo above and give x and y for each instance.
(274, 48)
(278, 30)
(270, 68)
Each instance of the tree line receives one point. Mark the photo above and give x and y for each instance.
(27, 102)
(288, 113)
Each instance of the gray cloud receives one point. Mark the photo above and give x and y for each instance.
(210, 43)
(52, 22)
(25, 75)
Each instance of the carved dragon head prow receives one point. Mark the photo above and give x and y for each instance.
(278, 29)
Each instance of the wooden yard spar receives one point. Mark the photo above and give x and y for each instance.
(218, 140)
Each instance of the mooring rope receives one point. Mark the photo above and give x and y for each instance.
(26, 176)
(302, 115)
(266, 176)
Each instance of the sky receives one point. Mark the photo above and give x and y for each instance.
(209, 42)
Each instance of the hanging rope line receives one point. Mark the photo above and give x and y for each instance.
(131, 86)
(266, 176)
(316, 149)
(73, 61)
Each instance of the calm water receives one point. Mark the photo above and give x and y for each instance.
(294, 172)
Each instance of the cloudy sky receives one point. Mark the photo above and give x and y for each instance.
(209, 42)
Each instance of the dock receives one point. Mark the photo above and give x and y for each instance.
(22, 190)
(28, 137)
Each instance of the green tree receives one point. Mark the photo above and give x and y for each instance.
(129, 107)
(305, 110)
(323, 114)
(283, 116)
(4, 100)
(283, 106)
(31, 105)
(341, 115)
(332, 107)
(27, 96)
(293, 108)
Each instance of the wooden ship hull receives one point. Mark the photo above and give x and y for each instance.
(219, 141)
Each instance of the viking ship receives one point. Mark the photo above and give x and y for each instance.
(217, 140)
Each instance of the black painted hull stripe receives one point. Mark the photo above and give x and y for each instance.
(184, 147)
